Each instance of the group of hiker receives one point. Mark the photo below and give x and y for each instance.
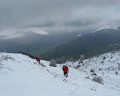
(64, 68)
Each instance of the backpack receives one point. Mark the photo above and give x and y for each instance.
(65, 69)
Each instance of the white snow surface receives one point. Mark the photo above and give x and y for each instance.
(23, 76)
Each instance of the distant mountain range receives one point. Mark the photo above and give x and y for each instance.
(36, 44)
(57, 45)
(91, 44)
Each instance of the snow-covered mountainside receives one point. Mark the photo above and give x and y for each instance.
(23, 76)
(106, 66)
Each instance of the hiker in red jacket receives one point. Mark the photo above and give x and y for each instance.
(38, 59)
(65, 70)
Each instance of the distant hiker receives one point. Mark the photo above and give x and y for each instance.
(65, 70)
(38, 59)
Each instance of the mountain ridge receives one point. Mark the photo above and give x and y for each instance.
(88, 43)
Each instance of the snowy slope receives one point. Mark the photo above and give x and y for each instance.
(22, 76)
(106, 66)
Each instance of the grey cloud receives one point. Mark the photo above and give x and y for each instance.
(58, 15)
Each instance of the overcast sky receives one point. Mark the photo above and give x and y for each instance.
(44, 16)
